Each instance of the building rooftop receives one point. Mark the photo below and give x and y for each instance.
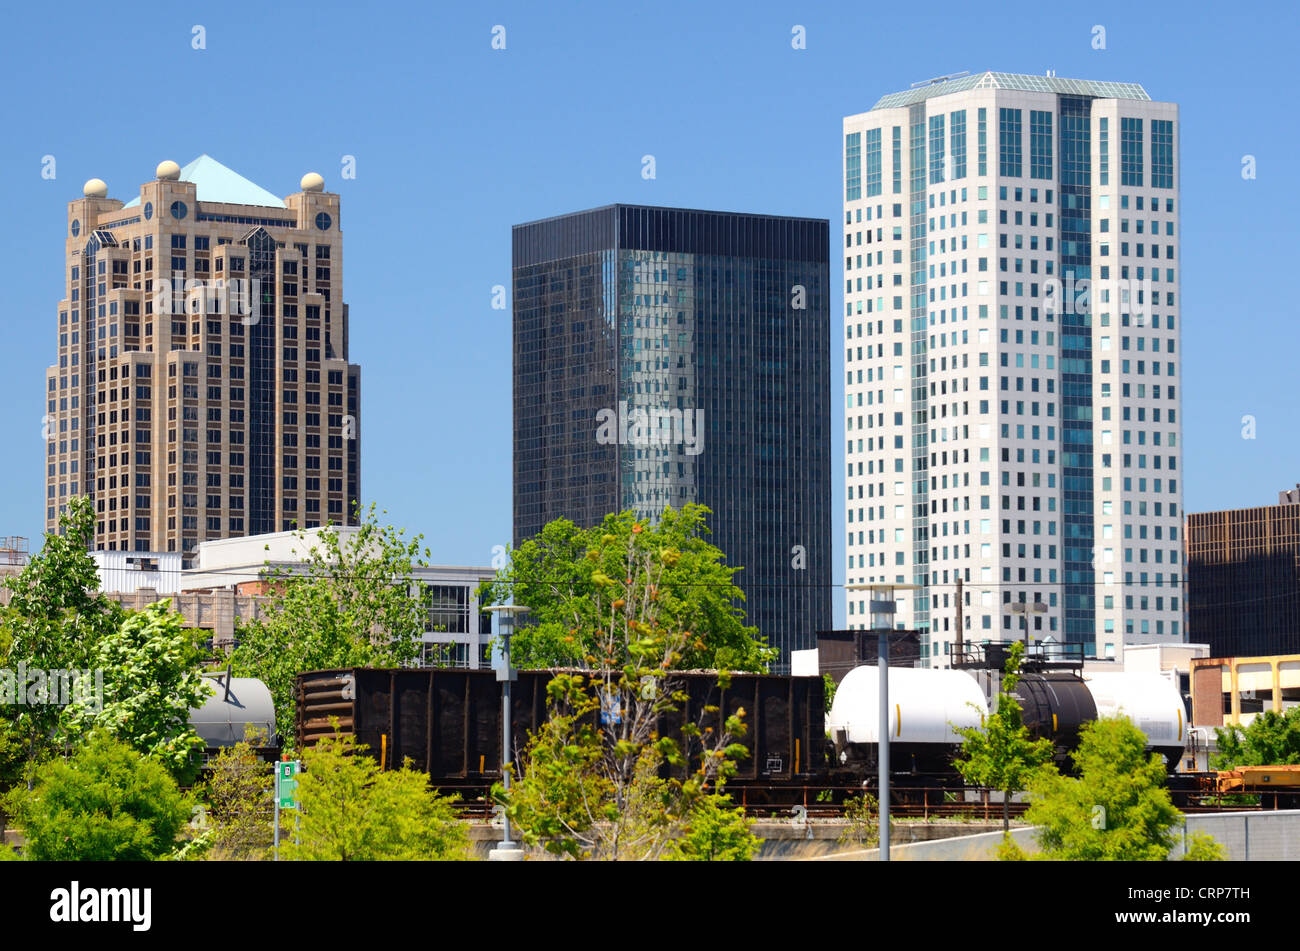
(1019, 81)
(214, 182)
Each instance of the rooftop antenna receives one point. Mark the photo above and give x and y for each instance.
(1051, 74)
(940, 79)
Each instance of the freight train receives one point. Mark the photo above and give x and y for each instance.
(926, 707)
(447, 722)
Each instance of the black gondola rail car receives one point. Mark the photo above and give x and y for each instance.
(447, 721)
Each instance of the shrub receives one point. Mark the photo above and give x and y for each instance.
(107, 802)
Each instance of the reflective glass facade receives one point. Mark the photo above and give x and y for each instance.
(666, 356)
(1243, 580)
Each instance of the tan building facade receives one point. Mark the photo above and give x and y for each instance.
(202, 388)
(1232, 691)
(215, 612)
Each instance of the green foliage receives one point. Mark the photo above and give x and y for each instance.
(1117, 808)
(240, 804)
(1009, 851)
(829, 692)
(55, 620)
(353, 603)
(106, 802)
(619, 790)
(194, 849)
(1204, 848)
(348, 810)
(1002, 755)
(565, 574)
(862, 822)
(598, 780)
(714, 831)
(1271, 739)
(564, 793)
(151, 681)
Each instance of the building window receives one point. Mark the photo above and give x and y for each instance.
(936, 149)
(1130, 151)
(1010, 156)
(853, 166)
(1162, 153)
(1040, 144)
(957, 139)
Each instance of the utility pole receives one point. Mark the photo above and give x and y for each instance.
(961, 644)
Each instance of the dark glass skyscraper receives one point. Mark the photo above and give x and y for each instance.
(664, 356)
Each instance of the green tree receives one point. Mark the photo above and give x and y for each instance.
(1117, 809)
(106, 802)
(240, 804)
(55, 620)
(598, 780)
(350, 810)
(830, 686)
(715, 831)
(558, 573)
(1271, 739)
(151, 681)
(1204, 848)
(1001, 754)
(352, 603)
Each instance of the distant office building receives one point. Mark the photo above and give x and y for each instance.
(15, 553)
(666, 356)
(1232, 691)
(202, 388)
(1013, 383)
(456, 633)
(125, 571)
(1243, 579)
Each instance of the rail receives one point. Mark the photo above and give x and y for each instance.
(830, 802)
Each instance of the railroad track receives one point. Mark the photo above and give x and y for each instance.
(830, 803)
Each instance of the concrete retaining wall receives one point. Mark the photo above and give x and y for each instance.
(1247, 836)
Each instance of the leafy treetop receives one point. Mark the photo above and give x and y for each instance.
(353, 602)
(1002, 755)
(558, 573)
(1117, 809)
(1271, 739)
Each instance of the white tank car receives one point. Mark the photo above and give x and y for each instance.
(1150, 701)
(923, 705)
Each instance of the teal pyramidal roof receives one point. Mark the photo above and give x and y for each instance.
(215, 182)
(1018, 81)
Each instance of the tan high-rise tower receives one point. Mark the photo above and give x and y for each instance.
(203, 388)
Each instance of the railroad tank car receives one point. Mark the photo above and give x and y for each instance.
(924, 706)
(1055, 706)
(1151, 701)
(232, 705)
(447, 721)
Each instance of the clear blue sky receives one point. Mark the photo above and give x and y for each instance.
(455, 142)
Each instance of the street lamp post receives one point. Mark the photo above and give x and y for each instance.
(508, 850)
(1025, 609)
(883, 608)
